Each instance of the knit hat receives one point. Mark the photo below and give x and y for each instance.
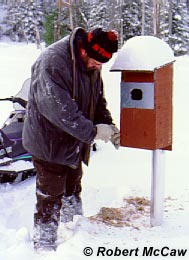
(101, 45)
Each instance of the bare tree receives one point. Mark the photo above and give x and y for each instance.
(143, 17)
(156, 17)
(61, 4)
(187, 2)
(121, 22)
(170, 16)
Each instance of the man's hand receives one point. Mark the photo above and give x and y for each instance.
(115, 138)
(104, 132)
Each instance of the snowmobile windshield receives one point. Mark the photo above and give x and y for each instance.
(21, 97)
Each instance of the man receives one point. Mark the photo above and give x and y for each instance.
(66, 112)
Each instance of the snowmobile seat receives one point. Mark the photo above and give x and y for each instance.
(14, 130)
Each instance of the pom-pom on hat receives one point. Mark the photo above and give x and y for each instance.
(101, 45)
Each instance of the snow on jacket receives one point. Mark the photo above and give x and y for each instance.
(56, 125)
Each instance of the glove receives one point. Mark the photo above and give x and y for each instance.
(115, 138)
(104, 132)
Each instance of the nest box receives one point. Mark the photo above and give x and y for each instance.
(146, 63)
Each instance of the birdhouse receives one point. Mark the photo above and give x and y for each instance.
(146, 64)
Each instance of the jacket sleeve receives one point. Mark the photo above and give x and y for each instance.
(54, 101)
(102, 114)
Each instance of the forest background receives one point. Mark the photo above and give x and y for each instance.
(49, 20)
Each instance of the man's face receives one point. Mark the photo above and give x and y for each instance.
(90, 63)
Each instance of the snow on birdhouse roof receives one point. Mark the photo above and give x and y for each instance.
(144, 53)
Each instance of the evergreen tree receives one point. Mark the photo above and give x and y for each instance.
(25, 21)
(49, 28)
(58, 21)
(99, 16)
(81, 13)
(131, 14)
(107, 15)
(176, 34)
(179, 38)
(166, 22)
(29, 18)
(148, 28)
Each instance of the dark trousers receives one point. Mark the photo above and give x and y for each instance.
(58, 187)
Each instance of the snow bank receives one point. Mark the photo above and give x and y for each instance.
(143, 53)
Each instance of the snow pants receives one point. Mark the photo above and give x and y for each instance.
(58, 189)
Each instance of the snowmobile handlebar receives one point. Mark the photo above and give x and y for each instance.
(6, 99)
(18, 100)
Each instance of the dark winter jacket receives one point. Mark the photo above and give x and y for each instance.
(57, 125)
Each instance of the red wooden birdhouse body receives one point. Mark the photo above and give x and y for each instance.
(146, 94)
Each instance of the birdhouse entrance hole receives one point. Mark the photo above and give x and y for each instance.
(136, 94)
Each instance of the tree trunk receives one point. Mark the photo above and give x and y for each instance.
(121, 23)
(71, 16)
(143, 17)
(187, 2)
(170, 16)
(156, 17)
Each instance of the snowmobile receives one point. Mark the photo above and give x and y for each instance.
(15, 162)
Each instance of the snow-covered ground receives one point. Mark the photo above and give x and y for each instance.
(117, 182)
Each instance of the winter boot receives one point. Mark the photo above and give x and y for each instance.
(45, 236)
(71, 206)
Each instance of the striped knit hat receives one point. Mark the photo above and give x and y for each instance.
(101, 44)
